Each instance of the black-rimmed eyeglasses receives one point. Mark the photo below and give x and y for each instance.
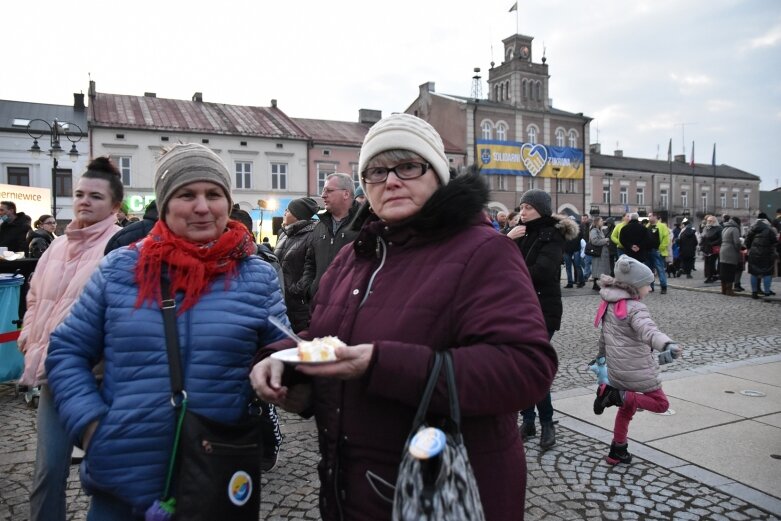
(405, 171)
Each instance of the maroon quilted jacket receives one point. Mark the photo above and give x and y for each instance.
(446, 280)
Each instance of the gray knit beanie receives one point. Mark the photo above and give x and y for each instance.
(405, 132)
(303, 208)
(633, 272)
(186, 163)
(539, 200)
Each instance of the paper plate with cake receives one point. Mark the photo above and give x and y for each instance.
(317, 351)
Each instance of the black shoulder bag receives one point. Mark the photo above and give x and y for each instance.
(442, 487)
(214, 470)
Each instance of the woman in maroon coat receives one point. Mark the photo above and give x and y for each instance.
(426, 273)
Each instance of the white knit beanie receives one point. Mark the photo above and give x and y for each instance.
(405, 132)
(633, 272)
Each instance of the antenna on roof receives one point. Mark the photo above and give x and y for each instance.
(477, 86)
(544, 50)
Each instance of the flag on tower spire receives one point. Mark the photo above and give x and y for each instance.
(513, 8)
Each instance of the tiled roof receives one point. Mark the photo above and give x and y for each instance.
(11, 110)
(333, 132)
(152, 113)
(499, 105)
(663, 167)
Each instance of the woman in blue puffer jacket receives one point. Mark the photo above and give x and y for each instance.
(224, 297)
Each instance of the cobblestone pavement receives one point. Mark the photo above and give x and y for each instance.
(568, 482)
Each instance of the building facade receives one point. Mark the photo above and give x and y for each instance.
(519, 140)
(672, 189)
(263, 148)
(20, 167)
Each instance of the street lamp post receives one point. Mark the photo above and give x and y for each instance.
(72, 133)
(609, 176)
(556, 171)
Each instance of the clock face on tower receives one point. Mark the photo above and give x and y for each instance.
(524, 52)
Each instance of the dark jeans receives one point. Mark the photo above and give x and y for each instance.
(544, 406)
(573, 260)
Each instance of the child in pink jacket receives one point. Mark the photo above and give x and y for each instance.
(628, 341)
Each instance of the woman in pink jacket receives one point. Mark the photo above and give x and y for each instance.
(61, 274)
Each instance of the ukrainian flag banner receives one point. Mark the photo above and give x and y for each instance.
(526, 159)
(500, 157)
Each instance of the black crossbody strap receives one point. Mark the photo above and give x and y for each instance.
(171, 339)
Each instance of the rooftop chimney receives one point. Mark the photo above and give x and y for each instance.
(369, 116)
(618, 153)
(274, 103)
(78, 101)
(427, 87)
(91, 91)
(680, 158)
(198, 97)
(150, 94)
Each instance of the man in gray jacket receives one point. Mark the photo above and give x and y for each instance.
(333, 231)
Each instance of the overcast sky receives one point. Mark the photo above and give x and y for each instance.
(707, 71)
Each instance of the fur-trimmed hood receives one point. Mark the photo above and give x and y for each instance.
(613, 290)
(450, 209)
(568, 228)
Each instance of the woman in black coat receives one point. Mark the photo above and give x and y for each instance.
(761, 243)
(39, 239)
(687, 248)
(541, 237)
(294, 241)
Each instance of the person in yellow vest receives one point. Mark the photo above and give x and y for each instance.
(614, 236)
(657, 258)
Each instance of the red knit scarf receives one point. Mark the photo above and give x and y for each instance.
(192, 266)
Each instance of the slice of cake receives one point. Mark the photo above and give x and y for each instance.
(319, 349)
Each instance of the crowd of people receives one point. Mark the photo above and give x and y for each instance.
(399, 269)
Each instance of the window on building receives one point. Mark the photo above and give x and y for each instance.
(356, 175)
(606, 194)
(559, 137)
(746, 201)
(279, 176)
(64, 182)
(640, 192)
(498, 182)
(124, 165)
(623, 195)
(501, 132)
(243, 175)
(734, 200)
(664, 198)
(704, 201)
(323, 171)
(525, 85)
(487, 130)
(18, 175)
(573, 139)
(532, 133)
(723, 199)
(685, 199)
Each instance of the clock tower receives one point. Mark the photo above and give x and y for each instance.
(517, 80)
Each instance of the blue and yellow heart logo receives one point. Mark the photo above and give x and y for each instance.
(534, 157)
